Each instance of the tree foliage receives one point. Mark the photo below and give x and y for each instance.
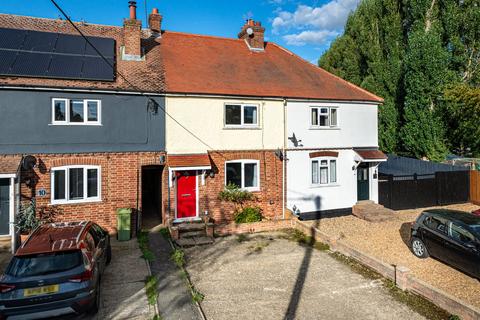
(409, 52)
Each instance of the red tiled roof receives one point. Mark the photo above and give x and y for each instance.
(10, 164)
(189, 160)
(371, 154)
(145, 75)
(213, 65)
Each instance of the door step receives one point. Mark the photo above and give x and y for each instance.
(372, 212)
(194, 241)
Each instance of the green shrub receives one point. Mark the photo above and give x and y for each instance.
(151, 283)
(249, 214)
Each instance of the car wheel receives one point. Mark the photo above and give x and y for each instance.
(419, 249)
(109, 254)
(96, 304)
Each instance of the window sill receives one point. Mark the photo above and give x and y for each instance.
(324, 128)
(314, 186)
(73, 202)
(76, 124)
(242, 128)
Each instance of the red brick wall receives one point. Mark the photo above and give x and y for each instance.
(132, 37)
(120, 180)
(269, 198)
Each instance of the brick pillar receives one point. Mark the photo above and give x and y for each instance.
(402, 275)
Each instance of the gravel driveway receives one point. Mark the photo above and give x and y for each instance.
(268, 277)
(387, 241)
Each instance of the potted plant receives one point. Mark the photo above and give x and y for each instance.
(26, 219)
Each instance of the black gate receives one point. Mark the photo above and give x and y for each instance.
(418, 191)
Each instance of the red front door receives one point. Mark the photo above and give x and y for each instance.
(186, 195)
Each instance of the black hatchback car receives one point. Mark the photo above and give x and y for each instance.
(450, 236)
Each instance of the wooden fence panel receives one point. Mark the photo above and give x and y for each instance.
(475, 187)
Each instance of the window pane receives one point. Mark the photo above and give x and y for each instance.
(460, 234)
(76, 110)
(92, 110)
(250, 115)
(76, 183)
(333, 171)
(323, 175)
(233, 114)
(323, 120)
(92, 183)
(60, 108)
(59, 185)
(315, 178)
(234, 173)
(251, 179)
(333, 119)
(314, 117)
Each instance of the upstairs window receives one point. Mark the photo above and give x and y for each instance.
(324, 171)
(240, 115)
(243, 173)
(76, 112)
(72, 184)
(323, 117)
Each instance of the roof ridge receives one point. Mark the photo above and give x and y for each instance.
(325, 71)
(202, 35)
(85, 23)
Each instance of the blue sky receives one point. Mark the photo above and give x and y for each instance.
(304, 27)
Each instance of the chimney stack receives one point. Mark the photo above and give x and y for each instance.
(132, 34)
(155, 21)
(253, 33)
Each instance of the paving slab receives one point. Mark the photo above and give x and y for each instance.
(174, 299)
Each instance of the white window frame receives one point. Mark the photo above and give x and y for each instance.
(242, 115)
(329, 174)
(85, 199)
(329, 115)
(243, 162)
(85, 122)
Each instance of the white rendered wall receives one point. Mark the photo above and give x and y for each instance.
(357, 126)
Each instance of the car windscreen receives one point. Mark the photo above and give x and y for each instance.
(476, 230)
(45, 263)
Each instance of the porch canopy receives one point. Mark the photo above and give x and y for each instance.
(9, 166)
(179, 162)
(369, 155)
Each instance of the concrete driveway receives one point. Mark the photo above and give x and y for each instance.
(267, 277)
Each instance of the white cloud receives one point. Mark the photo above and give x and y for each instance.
(313, 24)
(304, 37)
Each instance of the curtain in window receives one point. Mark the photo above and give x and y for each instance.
(92, 185)
(333, 171)
(251, 179)
(315, 178)
(314, 117)
(250, 115)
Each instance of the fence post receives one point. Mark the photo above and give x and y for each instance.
(390, 190)
(438, 186)
(415, 183)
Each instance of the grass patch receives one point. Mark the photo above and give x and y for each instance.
(165, 232)
(258, 246)
(151, 283)
(142, 239)
(242, 238)
(197, 296)
(178, 257)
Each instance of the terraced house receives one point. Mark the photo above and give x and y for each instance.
(161, 121)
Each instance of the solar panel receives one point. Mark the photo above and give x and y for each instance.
(52, 55)
(96, 68)
(67, 43)
(64, 66)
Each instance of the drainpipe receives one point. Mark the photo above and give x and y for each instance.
(284, 162)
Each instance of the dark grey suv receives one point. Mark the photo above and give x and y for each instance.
(450, 236)
(56, 271)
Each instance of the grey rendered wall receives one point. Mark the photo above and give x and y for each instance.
(127, 125)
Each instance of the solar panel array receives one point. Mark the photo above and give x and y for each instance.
(27, 53)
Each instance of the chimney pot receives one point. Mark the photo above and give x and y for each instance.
(155, 10)
(133, 10)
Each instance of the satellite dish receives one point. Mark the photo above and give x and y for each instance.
(249, 31)
(29, 162)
